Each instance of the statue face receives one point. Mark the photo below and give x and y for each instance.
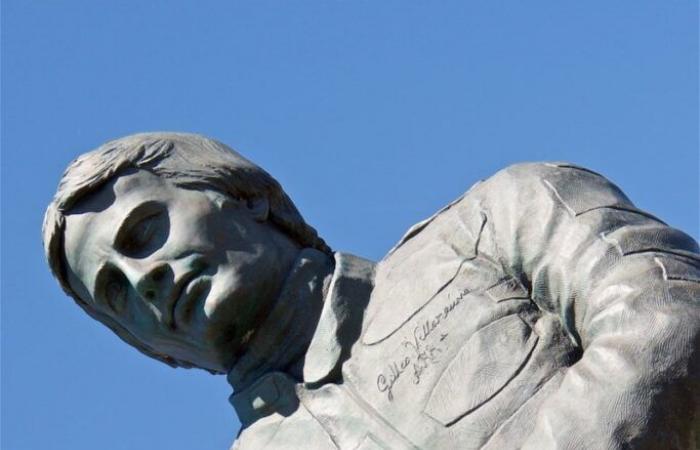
(187, 272)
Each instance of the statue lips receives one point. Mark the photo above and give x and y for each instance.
(175, 296)
(196, 288)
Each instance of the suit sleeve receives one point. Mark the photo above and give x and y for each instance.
(626, 288)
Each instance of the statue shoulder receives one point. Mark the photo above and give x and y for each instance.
(575, 188)
(514, 177)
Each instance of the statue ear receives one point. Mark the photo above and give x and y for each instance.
(259, 207)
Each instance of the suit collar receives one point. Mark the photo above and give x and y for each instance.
(283, 336)
(339, 326)
(341, 317)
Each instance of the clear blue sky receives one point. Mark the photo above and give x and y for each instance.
(372, 114)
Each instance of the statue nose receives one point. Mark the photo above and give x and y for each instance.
(156, 283)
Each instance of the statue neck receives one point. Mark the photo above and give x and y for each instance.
(281, 340)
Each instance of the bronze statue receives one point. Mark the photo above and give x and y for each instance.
(540, 310)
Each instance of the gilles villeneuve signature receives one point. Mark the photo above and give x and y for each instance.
(421, 350)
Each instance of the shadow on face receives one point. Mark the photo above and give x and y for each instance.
(182, 270)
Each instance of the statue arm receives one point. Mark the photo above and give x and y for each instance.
(626, 288)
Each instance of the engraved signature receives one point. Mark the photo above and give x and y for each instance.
(385, 383)
(422, 353)
(424, 356)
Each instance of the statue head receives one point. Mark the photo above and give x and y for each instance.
(175, 242)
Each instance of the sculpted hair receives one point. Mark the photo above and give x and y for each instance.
(189, 161)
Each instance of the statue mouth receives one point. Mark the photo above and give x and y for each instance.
(184, 306)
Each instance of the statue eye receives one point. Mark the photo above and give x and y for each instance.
(143, 232)
(139, 235)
